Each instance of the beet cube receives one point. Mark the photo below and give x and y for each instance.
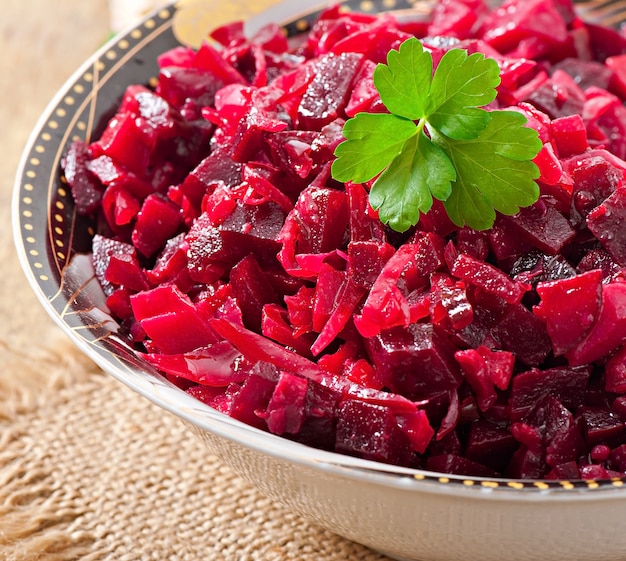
(317, 224)
(329, 91)
(608, 332)
(85, 186)
(371, 432)
(103, 249)
(366, 260)
(570, 135)
(595, 179)
(569, 308)
(158, 220)
(489, 278)
(523, 334)
(607, 222)
(544, 227)
(252, 291)
(484, 371)
(459, 465)
(568, 385)
(285, 411)
(250, 401)
(414, 361)
(490, 444)
(248, 229)
(601, 426)
(171, 320)
(304, 410)
(615, 372)
(124, 270)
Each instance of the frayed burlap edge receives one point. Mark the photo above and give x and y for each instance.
(34, 513)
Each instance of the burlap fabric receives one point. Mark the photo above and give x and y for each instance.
(88, 469)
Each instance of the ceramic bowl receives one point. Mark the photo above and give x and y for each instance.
(406, 514)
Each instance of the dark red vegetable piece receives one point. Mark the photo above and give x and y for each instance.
(371, 432)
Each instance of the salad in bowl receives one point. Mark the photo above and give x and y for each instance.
(369, 247)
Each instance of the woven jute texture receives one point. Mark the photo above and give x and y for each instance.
(88, 469)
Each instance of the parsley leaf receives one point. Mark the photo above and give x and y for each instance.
(402, 82)
(373, 141)
(404, 189)
(437, 141)
(500, 157)
(460, 86)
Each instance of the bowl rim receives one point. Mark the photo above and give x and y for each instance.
(152, 386)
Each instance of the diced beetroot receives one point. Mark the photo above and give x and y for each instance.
(285, 411)
(520, 332)
(607, 222)
(544, 227)
(329, 91)
(213, 365)
(617, 65)
(171, 320)
(371, 432)
(329, 283)
(124, 270)
(415, 361)
(609, 331)
(119, 206)
(568, 385)
(550, 432)
(366, 260)
(512, 23)
(615, 372)
(569, 308)
(570, 135)
(595, 179)
(489, 278)
(450, 306)
(300, 310)
(158, 220)
(86, 189)
(505, 242)
(257, 348)
(317, 224)
(459, 465)
(617, 458)
(365, 96)
(171, 263)
(213, 397)
(252, 290)
(601, 425)
(605, 116)
(346, 302)
(526, 464)
(250, 401)
(104, 249)
(486, 370)
(457, 18)
(490, 444)
(386, 306)
(179, 86)
(275, 325)
(248, 229)
(217, 168)
(118, 302)
(417, 427)
(208, 58)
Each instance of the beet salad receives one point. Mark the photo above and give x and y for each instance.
(461, 309)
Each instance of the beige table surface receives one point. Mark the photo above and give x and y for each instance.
(89, 470)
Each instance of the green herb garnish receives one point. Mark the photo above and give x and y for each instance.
(438, 141)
